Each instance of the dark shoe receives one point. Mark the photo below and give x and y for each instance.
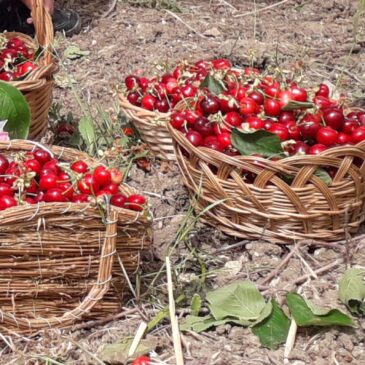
(67, 21)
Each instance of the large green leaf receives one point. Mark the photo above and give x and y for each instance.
(214, 85)
(305, 315)
(273, 330)
(15, 109)
(262, 142)
(87, 131)
(239, 300)
(323, 175)
(196, 303)
(351, 290)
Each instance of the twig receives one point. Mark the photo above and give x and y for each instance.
(137, 338)
(234, 245)
(262, 9)
(187, 25)
(86, 350)
(111, 8)
(305, 263)
(126, 277)
(229, 5)
(290, 340)
(173, 318)
(100, 322)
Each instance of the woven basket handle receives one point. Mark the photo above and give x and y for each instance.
(96, 293)
(43, 29)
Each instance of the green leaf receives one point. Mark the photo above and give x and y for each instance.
(323, 175)
(273, 330)
(262, 142)
(351, 290)
(292, 105)
(239, 300)
(87, 131)
(304, 316)
(72, 52)
(214, 85)
(15, 110)
(117, 353)
(196, 303)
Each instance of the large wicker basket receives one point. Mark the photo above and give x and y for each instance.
(38, 85)
(60, 263)
(152, 127)
(272, 208)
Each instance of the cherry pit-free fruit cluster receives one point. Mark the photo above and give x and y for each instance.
(34, 177)
(16, 59)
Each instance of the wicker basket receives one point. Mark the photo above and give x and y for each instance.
(38, 85)
(59, 263)
(272, 208)
(152, 127)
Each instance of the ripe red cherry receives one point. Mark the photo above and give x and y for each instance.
(316, 149)
(213, 143)
(203, 126)
(33, 165)
(249, 106)
(7, 201)
(112, 188)
(299, 94)
(142, 360)
(30, 200)
(301, 148)
(148, 102)
(6, 76)
(195, 138)
(280, 130)
(42, 156)
(343, 138)
(210, 105)
(189, 91)
(322, 102)
(143, 83)
(88, 185)
(54, 195)
(116, 176)
(309, 129)
(190, 117)
(4, 164)
(80, 198)
(26, 67)
(294, 131)
(5, 189)
(220, 128)
(272, 107)
(327, 136)
(238, 92)
(323, 91)
(48, 182)
(8, 53)
(63, 177)
(14, 42)
(32, 187)
(361, 117)
(255, 122)
(334, 118)
(257, 97)
(224, 140)
(52, 164)
(228, 104)
(79, 167)
(48, 171)
(268, 123)
(67, 189)
(118, 200)
(349, 126)
(133, 98)
(221, 64)
(358, 134)
(162, 105)
(234, 119)
(286, 117)
(272, 90)
(177, 120)
(102, 176)
(136, 202)
(131, 82)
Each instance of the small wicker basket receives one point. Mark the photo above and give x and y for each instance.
(37, 87)
(60, 263)
(152, 127)
(272, 208)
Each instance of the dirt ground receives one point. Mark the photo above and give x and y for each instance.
(318, 35)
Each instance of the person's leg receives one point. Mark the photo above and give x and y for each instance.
(14, 16)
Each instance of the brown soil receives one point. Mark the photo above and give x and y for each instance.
(316, 35)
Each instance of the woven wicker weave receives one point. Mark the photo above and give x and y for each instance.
(272, 208)
(59, 262)
(38, 85)
(152, 127)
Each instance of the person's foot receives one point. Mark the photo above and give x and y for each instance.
(67, 21)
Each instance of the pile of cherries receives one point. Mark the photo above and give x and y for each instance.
(307, 121)
(16, 60)
(33, 177)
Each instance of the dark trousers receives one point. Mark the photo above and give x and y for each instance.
(13, 15)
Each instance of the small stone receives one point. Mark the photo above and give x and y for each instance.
(213, 32)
